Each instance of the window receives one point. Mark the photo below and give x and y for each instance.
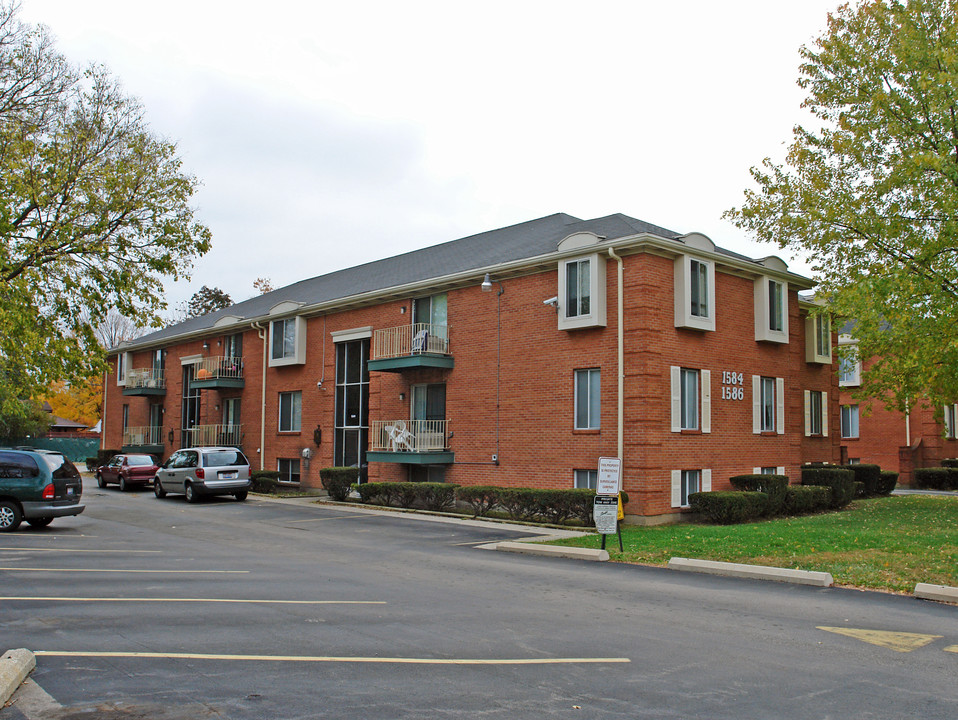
(771, 310)
(586, 479)
(582, 293)
(578, 288)
(686, 482)
(951, 413)
(233, 346)
(768, 405)
(849, 371)
(694, 293)
(288, 469)
(849, 421)
(816, 413)
(122, 366)
(287, 341)
(290, 411)
(351, 420)
(691, 400)
(126, 417)
(818, 339)
(430, 320)
(588, 397)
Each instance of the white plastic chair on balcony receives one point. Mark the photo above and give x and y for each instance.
(420, 341)
(399, 437)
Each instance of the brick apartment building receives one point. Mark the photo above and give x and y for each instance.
(897, 441)
(516, 357)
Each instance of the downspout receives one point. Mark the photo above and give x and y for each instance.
(261, 331)
(106, 375)
(621, 354)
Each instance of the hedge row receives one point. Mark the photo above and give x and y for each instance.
(526, 504)
(936, 478)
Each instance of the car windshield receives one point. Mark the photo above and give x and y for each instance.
(139, 460)
(224, 457)
(60, 466)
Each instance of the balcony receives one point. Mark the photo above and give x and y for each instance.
(411, 346)
(146, 439)
(218, 372)
(413, 442)
(215, 435)
(145, 381)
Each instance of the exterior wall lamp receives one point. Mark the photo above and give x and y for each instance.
(486, 283)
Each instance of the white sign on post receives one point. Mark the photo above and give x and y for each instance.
(608, 482)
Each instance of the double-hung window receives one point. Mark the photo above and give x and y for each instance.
(951, 415)
(818, 339)
(588, 397)
(586, 479)
(816, 413)
(771, 310)
(288, 469)
(691, 400)
(290, 411)
(578, 288)
(686, 482)
(694, 293)
(849, 421)
(768, 405)
(581, 297)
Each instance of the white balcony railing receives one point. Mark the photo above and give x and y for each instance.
(405, 340)
(145, 378)
(145, 435)
(202, 435)
(409, 435)
(219, 367)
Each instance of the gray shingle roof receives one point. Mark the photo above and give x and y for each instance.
(530, 239)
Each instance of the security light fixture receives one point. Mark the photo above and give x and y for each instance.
(487, 283)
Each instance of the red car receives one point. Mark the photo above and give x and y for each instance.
(127, 470)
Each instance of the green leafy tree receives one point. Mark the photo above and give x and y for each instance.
(870, 192)
(206, 300)
(94, 211)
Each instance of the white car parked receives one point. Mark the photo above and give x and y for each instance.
(200, 471)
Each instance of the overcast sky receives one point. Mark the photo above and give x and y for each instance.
(328, 134)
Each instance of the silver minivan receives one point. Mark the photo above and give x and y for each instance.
(200, 471)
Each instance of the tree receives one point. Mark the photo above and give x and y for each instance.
(80, 401)
(206, 300)
(870, 194)
(263, 285)
(115, 328)
(94, 211)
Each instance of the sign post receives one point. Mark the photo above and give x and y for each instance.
(606, 509)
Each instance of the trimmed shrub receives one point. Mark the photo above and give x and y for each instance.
(938, 478)
(264, 481)
(887, 482)
(772, 485)
(840, 480)
(519, 503)
(950, 463)
(374, 493)
(869, 475)
(103, 456)
(436, 496)
(91, 465)
(481, 498)
(802, 499)
(338, 481)
(860, 489)
(727, 507)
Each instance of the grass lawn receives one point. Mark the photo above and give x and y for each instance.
(887, 543)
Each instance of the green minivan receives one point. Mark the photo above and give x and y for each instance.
(37, 486)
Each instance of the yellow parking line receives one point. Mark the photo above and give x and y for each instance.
(193, 600)
(67, 550)
(343, 659)
(95, 570)
(952, 648)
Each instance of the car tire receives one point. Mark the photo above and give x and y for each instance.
(40, 522)
(158, 489)
(241, 495)
(191, 496)
(123, 484)
(10, 516)
(100, 482)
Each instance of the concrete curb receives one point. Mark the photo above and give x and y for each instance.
(757, 572)
(554, 551)
(942, 593)
(15, 665)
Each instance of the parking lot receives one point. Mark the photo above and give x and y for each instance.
(265, 609)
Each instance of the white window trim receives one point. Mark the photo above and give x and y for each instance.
(597, 316)
(299, 344)
(779, 470)
(842, 428)
(808, 414)
(705, 399)
(575, 398)
(279, 411)
(705, 483)
(763, 331)
(856, 375)
(122, 368)
(757, 405)
(950, 429)
(683, 294)
(811, 340)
